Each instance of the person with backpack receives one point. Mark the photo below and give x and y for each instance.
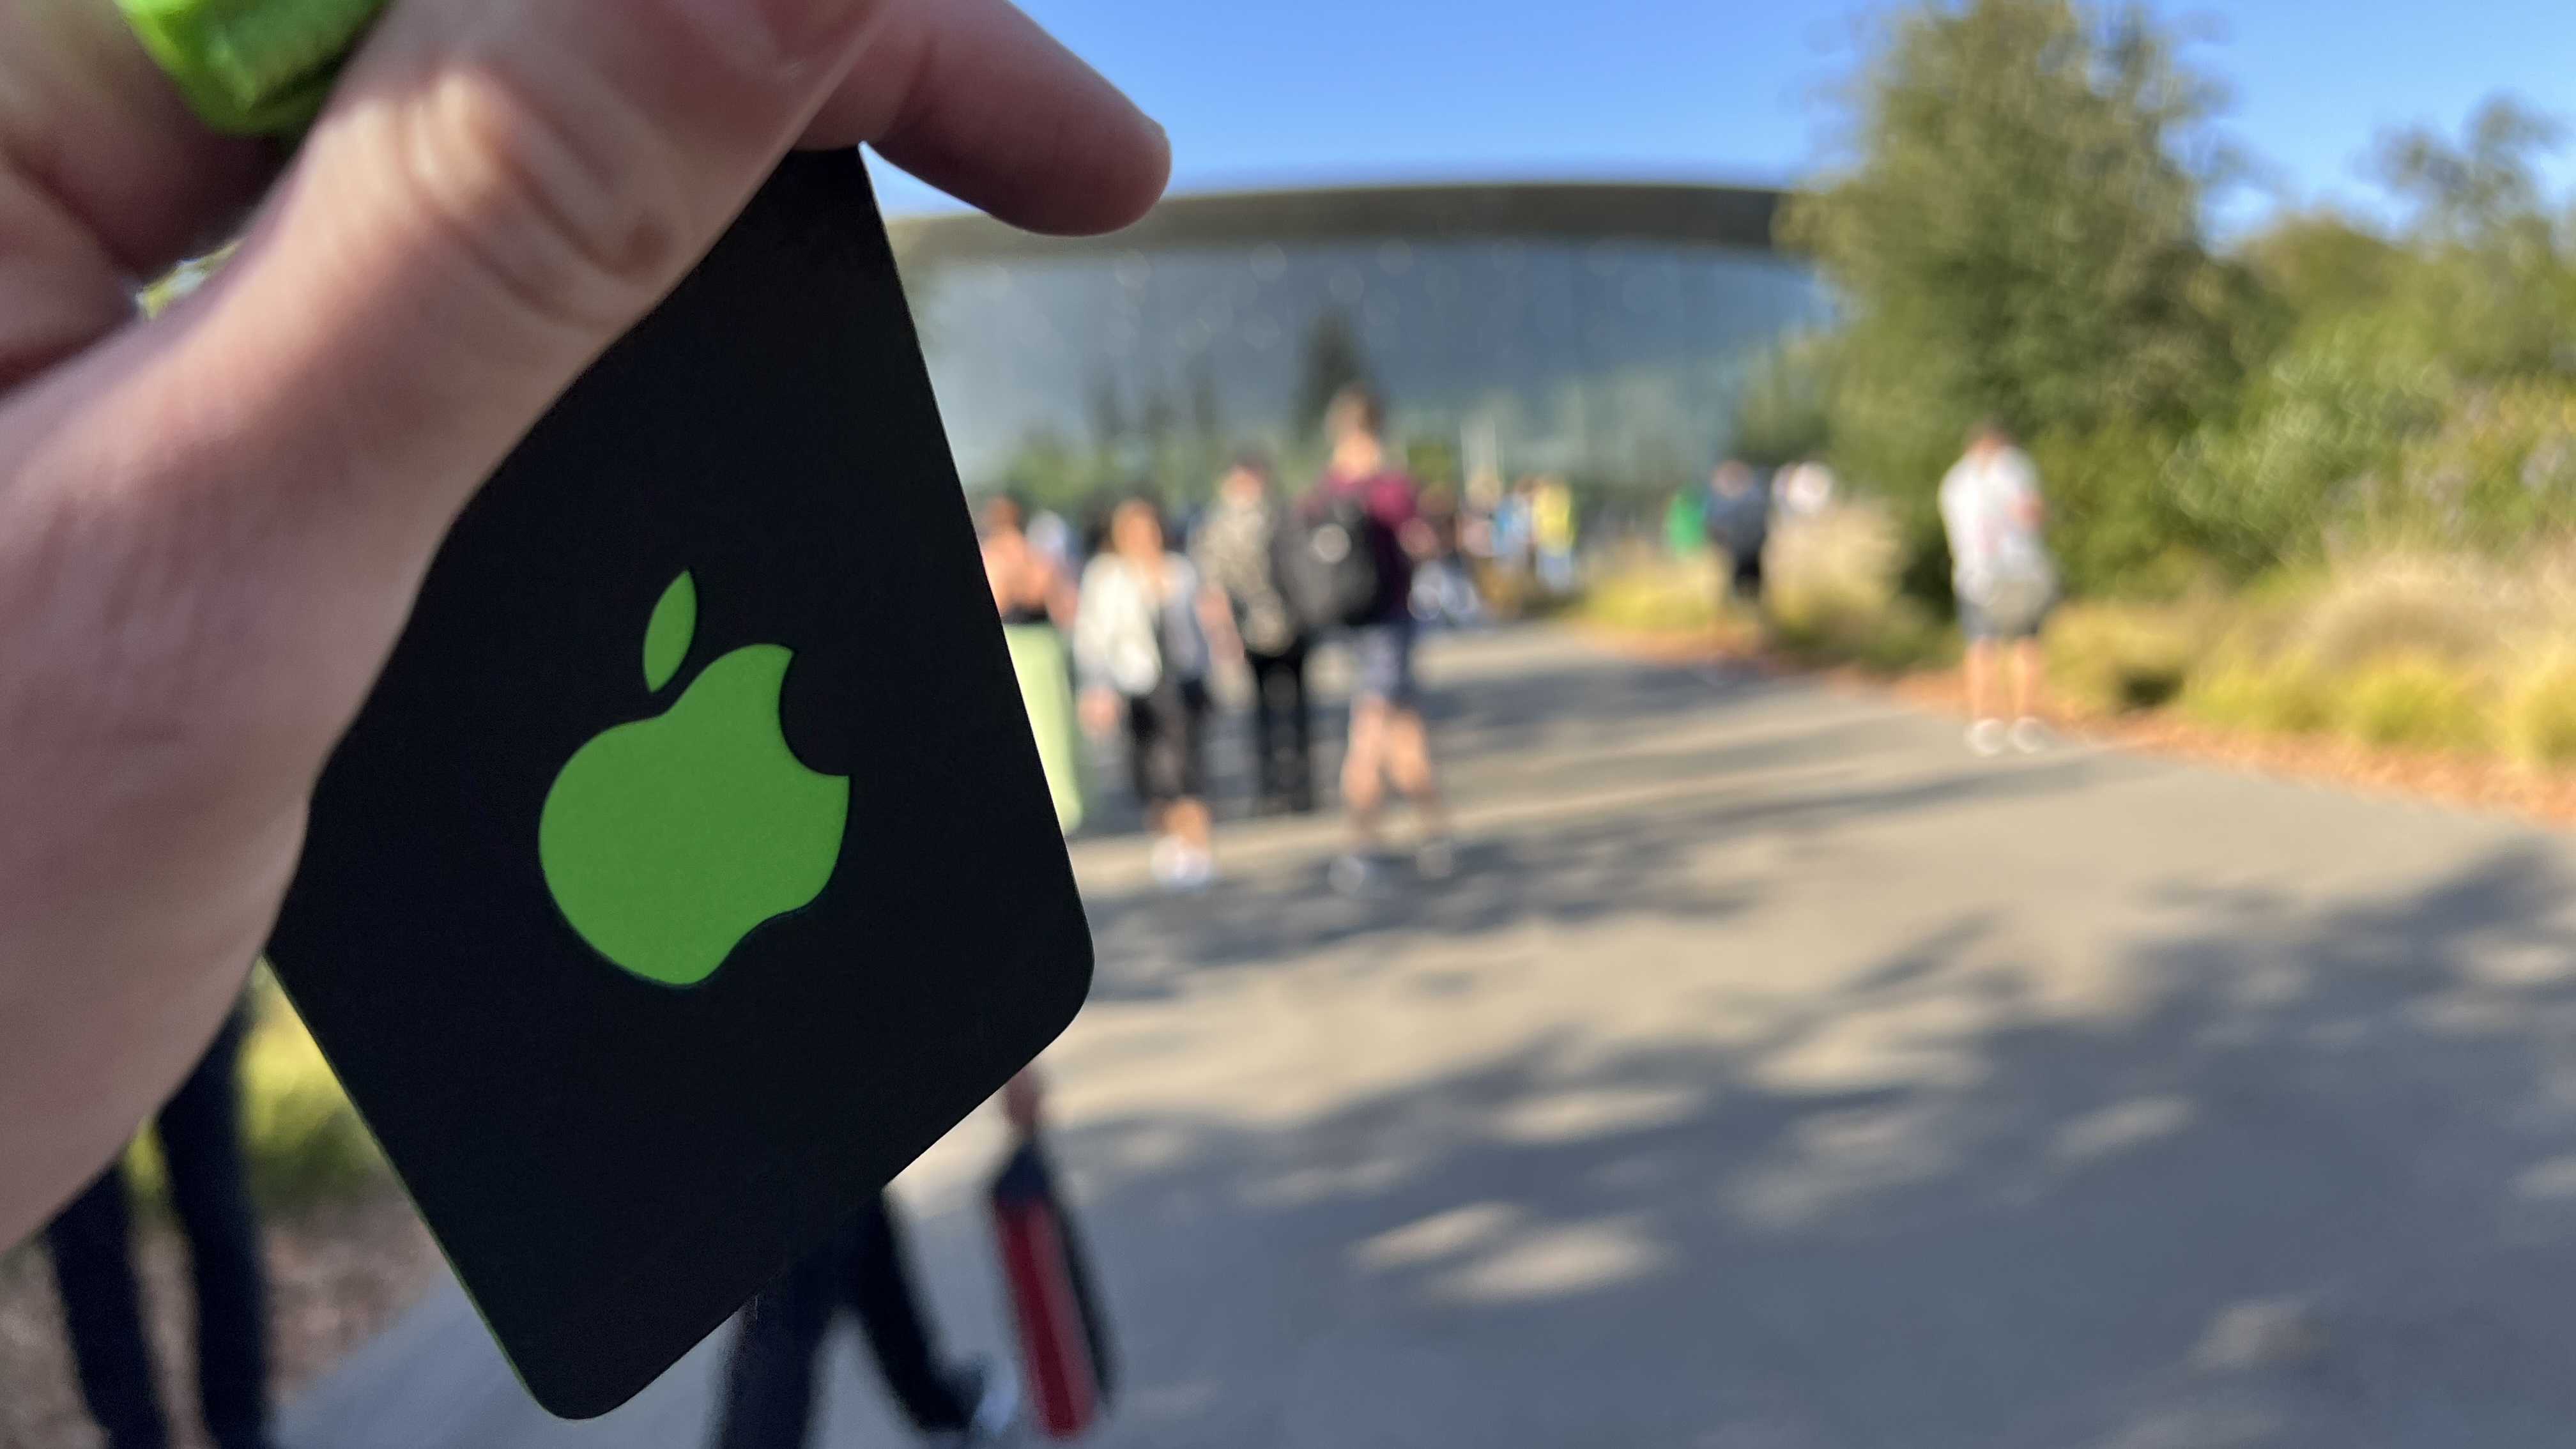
(1992, 511)
(1237, 549)
(1144, 633)
(1367, 501)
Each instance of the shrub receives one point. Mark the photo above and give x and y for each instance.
(1832, 585)
(306, 1140)
(1651, 594)
(2413, 701)
(2115, 659)
(2540, 717)
(1904, 637)
(2272, 696)
(2403, 608)
(2261, 489)
(302, 1140)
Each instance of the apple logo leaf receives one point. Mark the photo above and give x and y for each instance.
(665, 841)
(666, 639)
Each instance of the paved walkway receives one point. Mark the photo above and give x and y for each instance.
(1775, 1076)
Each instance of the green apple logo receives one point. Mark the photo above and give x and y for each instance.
(667, 840)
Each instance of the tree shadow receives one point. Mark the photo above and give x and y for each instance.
(2315, 1184)
(1567, 693)
(1638, 863)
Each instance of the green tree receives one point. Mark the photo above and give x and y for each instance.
(2324, 266)
(2019, 235)
(1784, 412)
(2422, 399)
(2492, 292)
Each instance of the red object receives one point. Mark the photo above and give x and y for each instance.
(1063, 1346)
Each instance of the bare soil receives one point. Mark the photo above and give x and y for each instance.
(337, 1274)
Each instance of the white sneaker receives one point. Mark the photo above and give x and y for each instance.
(1197, 870)
(2031, 736)
(1352, 874)
(1170, 861)
(997, 1408)
(1987, 737)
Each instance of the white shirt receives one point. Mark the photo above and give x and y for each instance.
(1131, 636)
(1989, 506)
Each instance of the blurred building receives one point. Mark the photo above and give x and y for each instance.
(1596, 331)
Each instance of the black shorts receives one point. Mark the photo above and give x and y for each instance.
(1166, 746)
(1746, 582)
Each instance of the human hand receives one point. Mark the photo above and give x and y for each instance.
(212, 526)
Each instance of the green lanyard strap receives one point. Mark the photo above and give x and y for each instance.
(252, 67)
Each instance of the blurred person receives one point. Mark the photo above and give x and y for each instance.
(1476, 521)
(212, 528)
(1511, 530)
(1552, 535)
(866, 1268)
(1738, 524)
(1444, 590)
(1992, 510)
(1805, 489)
(1029, 584)
(1145, 631)
(1388, 742)
(1052, 537)
(1686, 523)
(1236, 550)
(1035, 599)
(91, 1244)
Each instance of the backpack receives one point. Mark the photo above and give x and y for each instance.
(1327, 565)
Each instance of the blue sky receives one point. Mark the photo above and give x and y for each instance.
(1286, 92)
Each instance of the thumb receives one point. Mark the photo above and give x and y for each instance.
(499, 189)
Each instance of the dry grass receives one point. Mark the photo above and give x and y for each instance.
(2478, 782)
(2447, 678)
(2539, 723)
(1829, 598)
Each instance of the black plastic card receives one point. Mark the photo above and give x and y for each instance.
(691, 868)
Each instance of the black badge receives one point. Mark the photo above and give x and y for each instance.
(691, 868)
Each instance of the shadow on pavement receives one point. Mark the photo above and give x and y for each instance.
(1473, 712)
(2314, 1185)
(1637, 864)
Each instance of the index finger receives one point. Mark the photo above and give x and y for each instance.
(974, 98)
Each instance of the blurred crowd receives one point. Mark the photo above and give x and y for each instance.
(1130, 633)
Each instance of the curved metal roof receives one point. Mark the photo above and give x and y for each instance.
(1730, 216)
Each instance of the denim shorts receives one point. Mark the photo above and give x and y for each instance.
(1382, 662)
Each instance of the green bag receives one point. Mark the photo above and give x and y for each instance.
(1045, 668)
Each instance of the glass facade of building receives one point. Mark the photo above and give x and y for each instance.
(1599, 332)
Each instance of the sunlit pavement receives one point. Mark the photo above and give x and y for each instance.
(1772, 1075)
